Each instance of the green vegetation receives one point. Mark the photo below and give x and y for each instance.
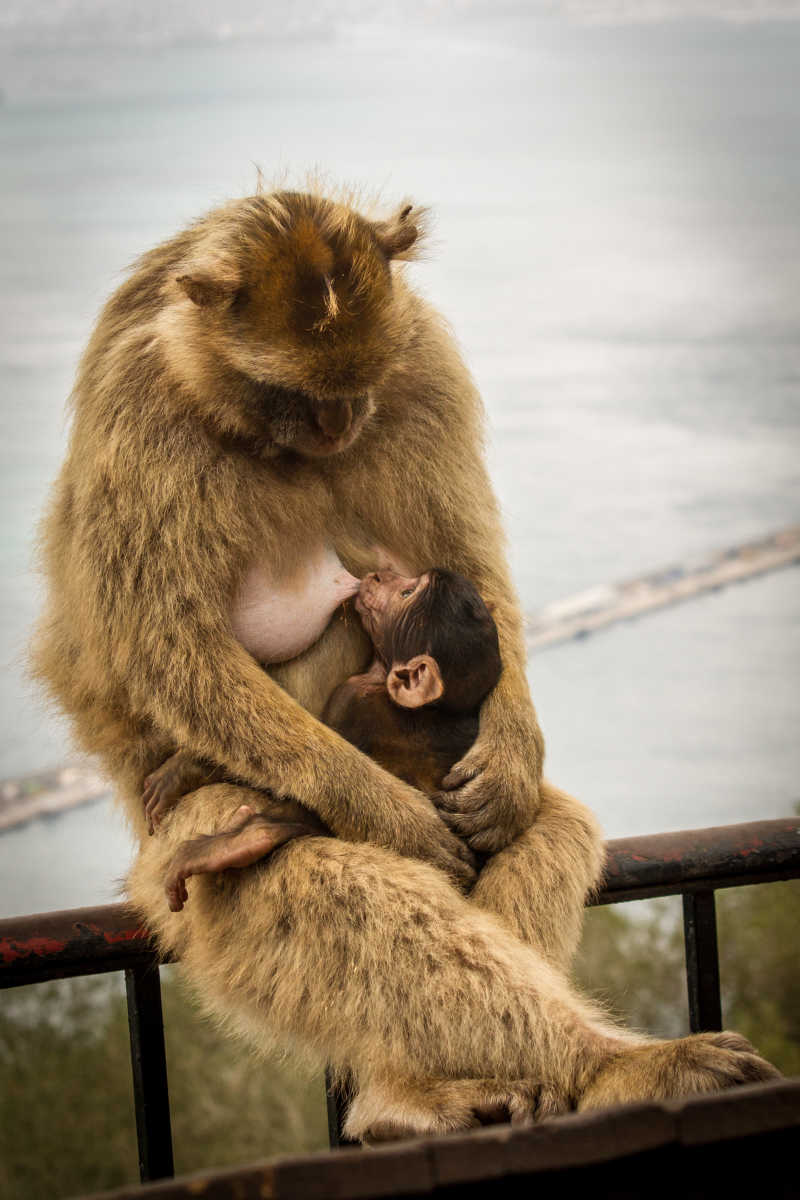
(66, 1106)
(632, 959)
(67, 1122)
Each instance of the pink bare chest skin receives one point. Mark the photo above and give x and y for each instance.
(277, 619)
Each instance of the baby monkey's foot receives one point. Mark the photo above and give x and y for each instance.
(249, 837)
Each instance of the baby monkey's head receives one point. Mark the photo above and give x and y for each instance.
(434, 635)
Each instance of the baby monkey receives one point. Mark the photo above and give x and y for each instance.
(415, 711)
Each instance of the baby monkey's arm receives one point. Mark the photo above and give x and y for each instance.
(179, 774)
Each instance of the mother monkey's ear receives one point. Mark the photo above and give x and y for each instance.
(400, 235)
(209, 284)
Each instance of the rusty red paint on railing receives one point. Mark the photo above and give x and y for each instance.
(14, 949)
(89, 940)
(76, 942)
(722, 856)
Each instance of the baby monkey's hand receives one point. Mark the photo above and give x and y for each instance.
(163, 788)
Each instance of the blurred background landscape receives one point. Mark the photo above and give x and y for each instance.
(616, 245)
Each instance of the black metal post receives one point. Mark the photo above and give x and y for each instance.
(334, 1114)
(702, 961)
(338, 1098)
(149, 1063)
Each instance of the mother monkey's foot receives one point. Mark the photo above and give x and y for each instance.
(249, 837)
(704, 1062)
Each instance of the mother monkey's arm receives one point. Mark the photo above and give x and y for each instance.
(492, 795)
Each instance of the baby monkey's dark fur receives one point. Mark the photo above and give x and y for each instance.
(449, 621)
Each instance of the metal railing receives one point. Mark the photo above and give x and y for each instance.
(694, 863)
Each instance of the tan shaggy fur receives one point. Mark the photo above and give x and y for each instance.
(264, 381)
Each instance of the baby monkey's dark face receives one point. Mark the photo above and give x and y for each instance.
(384, 599)
(434, 636)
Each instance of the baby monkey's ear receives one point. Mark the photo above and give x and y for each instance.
(415, 683)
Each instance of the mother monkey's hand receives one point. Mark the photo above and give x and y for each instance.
(491, 795)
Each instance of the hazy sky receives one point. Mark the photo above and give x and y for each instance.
(151, 20)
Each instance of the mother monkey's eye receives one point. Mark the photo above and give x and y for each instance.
(409, 591)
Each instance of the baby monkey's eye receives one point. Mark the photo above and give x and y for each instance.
(408, 591)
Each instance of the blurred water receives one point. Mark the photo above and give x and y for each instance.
(617, 249)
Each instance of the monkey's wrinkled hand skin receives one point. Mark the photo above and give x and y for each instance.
(492, 794)
(161, 792)
(163, 788)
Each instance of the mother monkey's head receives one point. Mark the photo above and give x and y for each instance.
(281, 318)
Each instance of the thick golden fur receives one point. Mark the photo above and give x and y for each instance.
(185, 466)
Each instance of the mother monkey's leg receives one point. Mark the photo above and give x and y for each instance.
(373, 961)
(376, 963)
(538, 885)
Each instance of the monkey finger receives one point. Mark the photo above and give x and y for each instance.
(444, 802)
(176, 891)
(459, 849)
(454, 819)
(155, 811)
(458, 861)
(465, 824)
(460, 774)
(467, 799)
(450, 818)
(467, 856)
(455, 801)
(487, 841)
(455, 825)
(151, 794)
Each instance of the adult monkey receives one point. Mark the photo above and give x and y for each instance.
(266, 386)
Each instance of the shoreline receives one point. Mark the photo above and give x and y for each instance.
(608, 604)
(48, 794)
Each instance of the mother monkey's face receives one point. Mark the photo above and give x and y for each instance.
(292, 300)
